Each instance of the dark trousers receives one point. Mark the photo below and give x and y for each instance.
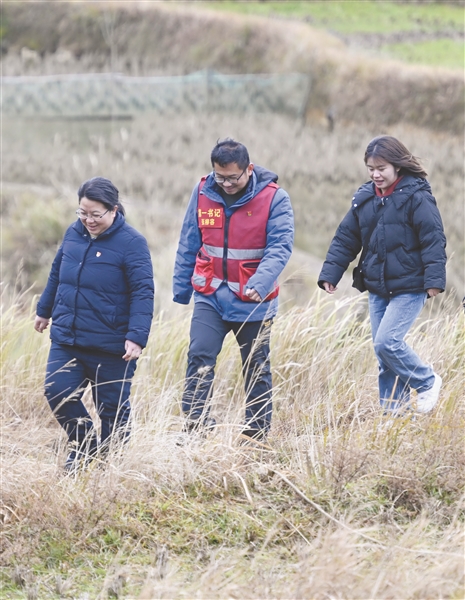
(207, 334)
(69, 371)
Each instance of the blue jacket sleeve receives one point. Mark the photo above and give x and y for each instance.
(279, 243)
(139, 273)
(190, 242)
(47, 299)
(345, 245)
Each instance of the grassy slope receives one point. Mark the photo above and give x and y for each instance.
(340, 508)
(366, 16)
(158, 159)
(393, 29)
(146, 39)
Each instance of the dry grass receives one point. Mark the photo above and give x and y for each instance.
(338, 509)
(156, 160)
(170, 37)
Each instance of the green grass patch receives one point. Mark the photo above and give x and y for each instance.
(359, 17)
(435, 53)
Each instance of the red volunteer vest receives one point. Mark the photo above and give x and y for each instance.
(231, 248)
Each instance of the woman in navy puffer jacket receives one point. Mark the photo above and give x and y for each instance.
(396, 220)
(99, 296)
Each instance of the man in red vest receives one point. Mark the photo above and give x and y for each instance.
(236, 238)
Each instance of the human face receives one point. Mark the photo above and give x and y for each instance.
(96, 226)
(234, 171)
(382, 173)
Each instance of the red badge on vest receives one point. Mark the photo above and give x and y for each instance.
(212, 217)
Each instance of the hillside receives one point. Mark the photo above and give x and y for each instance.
(343, 504)
(146, 39)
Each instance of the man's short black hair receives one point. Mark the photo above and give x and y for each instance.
(229, 151)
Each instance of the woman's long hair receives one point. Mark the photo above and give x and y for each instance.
(389, 148)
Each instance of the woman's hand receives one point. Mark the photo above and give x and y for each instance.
(133, 350)
(432, 292)
(329, 287)
(40, 324)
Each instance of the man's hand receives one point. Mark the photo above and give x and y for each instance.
(253, 295)
(133, 350)
(432, 292)
(329, 287)
(40, 323)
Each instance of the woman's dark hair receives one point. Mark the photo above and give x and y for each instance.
(229, 151)
(394, 152)
(101, 190)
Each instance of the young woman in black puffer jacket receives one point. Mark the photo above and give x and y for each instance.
(397, 221)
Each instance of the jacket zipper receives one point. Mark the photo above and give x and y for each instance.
(225, 249)
(78, 278)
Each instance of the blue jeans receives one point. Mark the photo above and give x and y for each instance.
(69, 370)
(400, 368)
(207, 334)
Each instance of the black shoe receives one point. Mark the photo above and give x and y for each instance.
(199, 425)
(255, 434)
(80, 457)
(196, 427)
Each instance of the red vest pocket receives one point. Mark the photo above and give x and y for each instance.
(203, 274)
(246, 270)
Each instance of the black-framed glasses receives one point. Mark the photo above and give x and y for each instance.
(231, 179)
(94, 216)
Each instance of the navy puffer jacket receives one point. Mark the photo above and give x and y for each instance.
(406, 251)
(100, 292)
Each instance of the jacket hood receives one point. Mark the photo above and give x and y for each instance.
(407, 186)
(264, 177)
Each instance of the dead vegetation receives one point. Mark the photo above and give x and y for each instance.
(156, 160)
(167, 37)
(340, 507)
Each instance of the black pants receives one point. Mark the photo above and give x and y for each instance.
(207, 334)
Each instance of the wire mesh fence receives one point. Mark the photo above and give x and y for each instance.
(117, 95)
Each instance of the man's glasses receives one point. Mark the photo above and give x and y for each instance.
(231, 179)
(94, 216)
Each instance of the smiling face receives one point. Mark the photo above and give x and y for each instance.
(382, 173)
(95, 223)
(231, 178)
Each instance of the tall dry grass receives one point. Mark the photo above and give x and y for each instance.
(339, 508)
(172, 37)
(156, 160)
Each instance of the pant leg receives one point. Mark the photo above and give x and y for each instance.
(400, 367)
(254, 341)
(207, 334)
(65, 382)
(111, 379)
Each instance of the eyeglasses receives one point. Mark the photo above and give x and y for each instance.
(94, 216)
(231, 179)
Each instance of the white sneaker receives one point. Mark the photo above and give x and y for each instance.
(426, 401)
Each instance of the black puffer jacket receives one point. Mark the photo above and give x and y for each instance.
(406, 252)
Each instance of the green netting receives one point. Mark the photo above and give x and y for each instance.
(113, 95)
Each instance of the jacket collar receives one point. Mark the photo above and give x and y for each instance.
(117, 224)
(259, 179)
(407, 186)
